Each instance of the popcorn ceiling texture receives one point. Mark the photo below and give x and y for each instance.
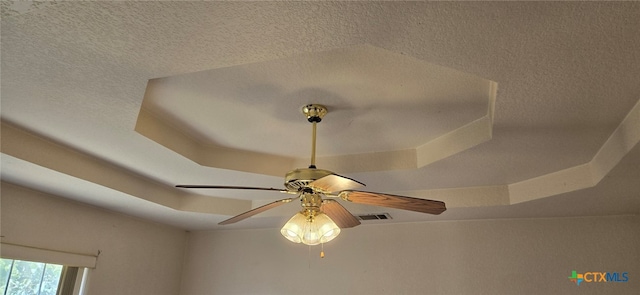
(76, 72)
(13, 8)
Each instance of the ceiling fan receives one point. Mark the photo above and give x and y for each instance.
(312, 184)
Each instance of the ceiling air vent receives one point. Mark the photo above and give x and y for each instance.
(380, 216)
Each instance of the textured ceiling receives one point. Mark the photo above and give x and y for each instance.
(435, 112)
(364, 88)
(563, 127)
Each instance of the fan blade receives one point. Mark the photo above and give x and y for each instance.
(335, 183)
(232, 187)
(255, 211)
(339, 214)
(394, 201)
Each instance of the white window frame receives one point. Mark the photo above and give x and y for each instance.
(84, 262)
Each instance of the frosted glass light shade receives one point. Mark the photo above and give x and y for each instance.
(310, 230)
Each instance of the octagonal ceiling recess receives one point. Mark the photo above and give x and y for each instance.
(387, 111)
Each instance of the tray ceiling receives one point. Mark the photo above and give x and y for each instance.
(500, 109)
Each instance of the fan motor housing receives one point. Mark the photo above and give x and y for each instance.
(298, 179)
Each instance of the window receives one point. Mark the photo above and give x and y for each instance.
(18, 277)
(55, 272)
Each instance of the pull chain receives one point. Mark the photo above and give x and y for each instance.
(309, 257)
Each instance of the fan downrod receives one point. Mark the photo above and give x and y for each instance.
(314, 113)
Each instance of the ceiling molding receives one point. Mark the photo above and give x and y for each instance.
(623, 139)
(21, 144)
(424, 86)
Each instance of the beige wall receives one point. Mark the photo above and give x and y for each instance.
(138, 257)
(521, 256)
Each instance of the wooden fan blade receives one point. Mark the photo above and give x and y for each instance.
(335, 183)
(339, 214)
(232, 187)
(255, 211)
(394, 201)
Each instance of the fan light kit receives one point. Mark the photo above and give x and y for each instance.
(321, 219)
